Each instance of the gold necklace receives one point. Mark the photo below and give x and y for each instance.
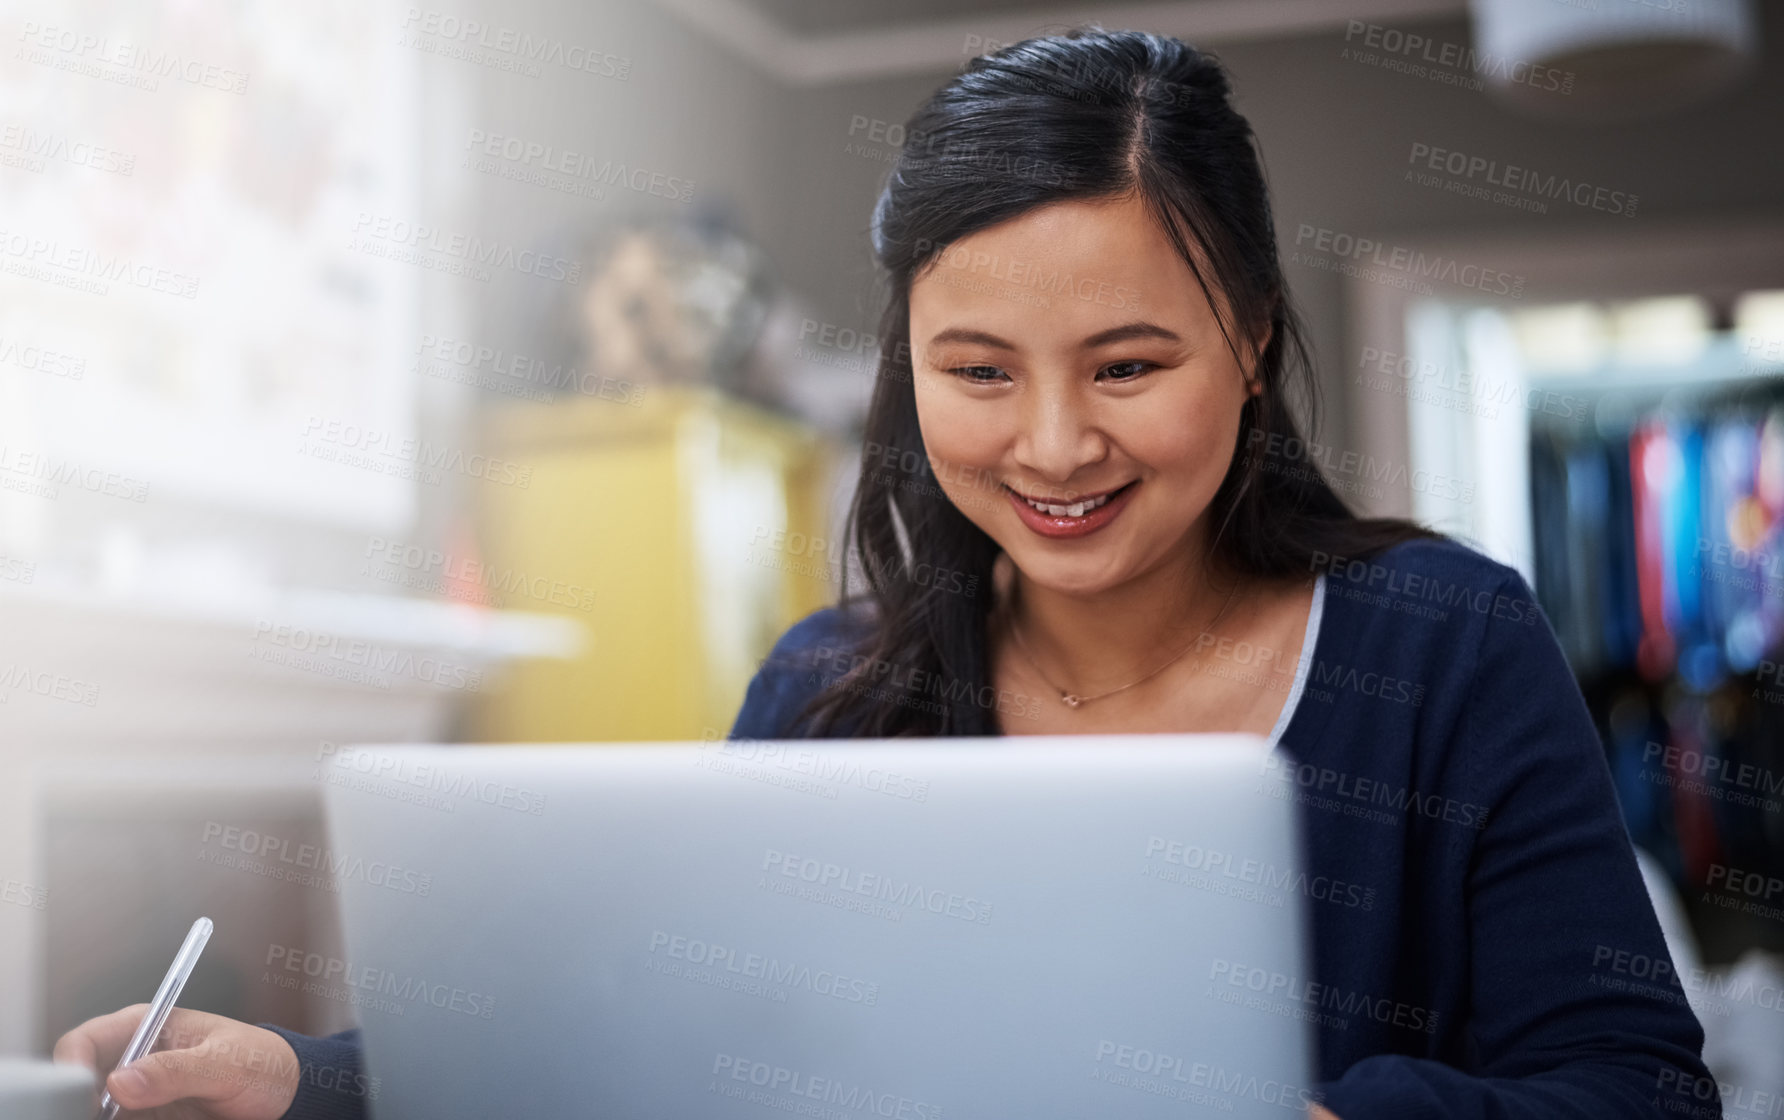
(1072, 699)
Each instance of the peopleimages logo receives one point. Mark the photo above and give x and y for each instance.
(475, 41)
(41, 360)
(120, 60)
(1521, 180)
(1369, 792)
(54, 686)
(90, 270)
(367, 981)
(306, 864)
(41, 475)
(1043, 277)
(430, 777)
(1717, 776)
(1754, 886)
(1403, 586)
(490, 367)
(769, 970)
(1223, 865)
(15, 893)
(1337, 463)
(847, 668)
(440, 569)
(881, 888)
(1186, 1079)
(375, 446)
(35, 147)
(1350, 1004)
(1655, 978)
(1427, 57)
(769, 1078)
(358, 659)
(1461, 388)
(538, 156)
(1411, 264)
(832, 768)
(479, 255)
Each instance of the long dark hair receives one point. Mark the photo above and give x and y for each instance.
(1084, 115)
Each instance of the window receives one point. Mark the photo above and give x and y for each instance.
(182, 307)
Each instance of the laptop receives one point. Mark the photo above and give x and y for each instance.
(1048, 927)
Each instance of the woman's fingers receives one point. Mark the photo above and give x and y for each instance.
(234, 1069)
(168, 1076)
(229, 1069)
(99, 1042)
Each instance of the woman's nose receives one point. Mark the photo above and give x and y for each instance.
(1057, 437)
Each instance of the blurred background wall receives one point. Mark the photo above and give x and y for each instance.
(376, 372)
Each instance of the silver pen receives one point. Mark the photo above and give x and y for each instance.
(160, 1007)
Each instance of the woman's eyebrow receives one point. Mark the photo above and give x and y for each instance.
(1129, 331)
(964, 334)
(1122, 333)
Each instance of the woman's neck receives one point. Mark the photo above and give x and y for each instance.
(1092, 644)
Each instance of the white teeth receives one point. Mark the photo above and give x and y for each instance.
(1076, 509)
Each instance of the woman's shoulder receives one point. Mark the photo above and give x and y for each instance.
(1424, 558)
(820, 637)
(1438, 580)
(1425, 610)
(816, 649)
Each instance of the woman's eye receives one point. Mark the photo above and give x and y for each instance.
(1126, 371)
(977, 373)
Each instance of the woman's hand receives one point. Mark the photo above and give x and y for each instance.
(204, 1067)
(1315, 1112)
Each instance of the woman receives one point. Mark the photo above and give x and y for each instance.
(1086, 507)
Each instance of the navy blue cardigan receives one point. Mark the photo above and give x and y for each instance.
(1501, 959)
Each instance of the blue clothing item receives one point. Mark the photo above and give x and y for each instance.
(1484, 946)
(331, 1084)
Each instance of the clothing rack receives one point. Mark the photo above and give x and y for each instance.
(1659, 558)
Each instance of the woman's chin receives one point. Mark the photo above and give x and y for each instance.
(1083, 578)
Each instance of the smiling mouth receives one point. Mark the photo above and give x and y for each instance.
(1070, 509)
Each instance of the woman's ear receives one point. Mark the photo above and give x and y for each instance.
(1254, 384)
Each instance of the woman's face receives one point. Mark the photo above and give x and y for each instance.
(1068, 355)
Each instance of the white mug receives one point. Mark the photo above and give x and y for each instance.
(36, 1090)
